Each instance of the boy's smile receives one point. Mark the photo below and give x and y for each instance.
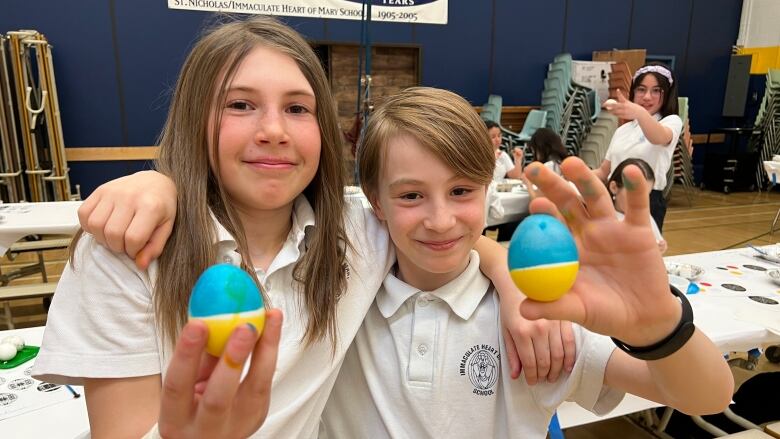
(434, 215)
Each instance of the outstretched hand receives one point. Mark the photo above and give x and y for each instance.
(625, 109)
(622, 287)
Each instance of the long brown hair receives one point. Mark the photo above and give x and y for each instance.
(184, 157)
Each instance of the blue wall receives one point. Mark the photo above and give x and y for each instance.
(116, 61)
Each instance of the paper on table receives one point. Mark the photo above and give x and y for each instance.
(20, 393)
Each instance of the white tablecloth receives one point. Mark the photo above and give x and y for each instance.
(718, 313)
(729, 318)
(18, 220)
(63, 420)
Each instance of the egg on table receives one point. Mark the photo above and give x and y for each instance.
(7, 351)
(225, 297)
(15, 340)
(543, 259)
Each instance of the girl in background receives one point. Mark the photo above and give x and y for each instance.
(651, 133)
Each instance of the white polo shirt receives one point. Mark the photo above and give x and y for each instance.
(432, 364)
(102, 324)
(630, 142)
(504, 164)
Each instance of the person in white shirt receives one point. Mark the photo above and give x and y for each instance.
(651, 132)
(617, 188)
(505, 166)
(428, 362)
(260, 173)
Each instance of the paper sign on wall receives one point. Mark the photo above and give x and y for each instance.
(400, 11)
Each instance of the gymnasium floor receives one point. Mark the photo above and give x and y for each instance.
(711, 221)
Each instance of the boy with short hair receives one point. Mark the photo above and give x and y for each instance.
(427, 361)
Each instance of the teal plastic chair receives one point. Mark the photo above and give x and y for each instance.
(536, 119)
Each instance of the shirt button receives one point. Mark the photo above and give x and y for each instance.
(422, 349)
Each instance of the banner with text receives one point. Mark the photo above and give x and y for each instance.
(400, 11)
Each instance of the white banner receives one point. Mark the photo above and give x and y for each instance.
(400, 11)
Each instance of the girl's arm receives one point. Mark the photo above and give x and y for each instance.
(602, 172)
(124, 407)
(654, 131)
(622, 291)
(542, 349)
(517, 171)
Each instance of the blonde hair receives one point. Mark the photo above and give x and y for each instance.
(439, 120)
(184, 152)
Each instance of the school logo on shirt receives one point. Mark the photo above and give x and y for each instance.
(480, 364)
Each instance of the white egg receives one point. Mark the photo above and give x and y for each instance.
(7, 351)
(609, 103)
(14, 340)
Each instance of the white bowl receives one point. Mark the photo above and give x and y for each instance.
(774, 274)
(687, 271)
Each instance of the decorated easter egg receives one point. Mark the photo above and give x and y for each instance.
(543, 258)
(225, 297)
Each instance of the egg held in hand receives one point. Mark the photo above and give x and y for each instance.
(225, 297)
(543, 259)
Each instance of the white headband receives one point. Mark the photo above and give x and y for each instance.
(655, 69)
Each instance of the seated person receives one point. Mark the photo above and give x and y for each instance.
(505, 167)
(548, 148)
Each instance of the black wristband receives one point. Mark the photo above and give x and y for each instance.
(671, 344)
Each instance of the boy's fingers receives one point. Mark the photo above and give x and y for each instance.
(594, 193)
(569, 346)
(176, 401)
(569, 307)
(97, 220)
(511, 354)
(637, 200)
(556, 352)
(116, 225)
(557, 190)
(155, 246)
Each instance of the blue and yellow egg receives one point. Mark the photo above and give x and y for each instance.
(543, 259)
(225, 297)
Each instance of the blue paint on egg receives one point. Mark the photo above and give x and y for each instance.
(224, 297)
(543, 258)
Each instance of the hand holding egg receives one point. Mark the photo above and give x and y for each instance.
(609, 103)
(621, 288)
(224, 297)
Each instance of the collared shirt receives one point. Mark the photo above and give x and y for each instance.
(432, 364)
(504, 164)
(102, 325)
(629, 141)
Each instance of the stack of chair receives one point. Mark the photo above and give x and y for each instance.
(571, 108)
(766, 135)
(620, 79)
(594, 148)
(682, 168)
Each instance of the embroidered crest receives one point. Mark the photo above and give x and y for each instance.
(481, 364)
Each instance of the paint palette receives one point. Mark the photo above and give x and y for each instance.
(687, 271)
(774, 274)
